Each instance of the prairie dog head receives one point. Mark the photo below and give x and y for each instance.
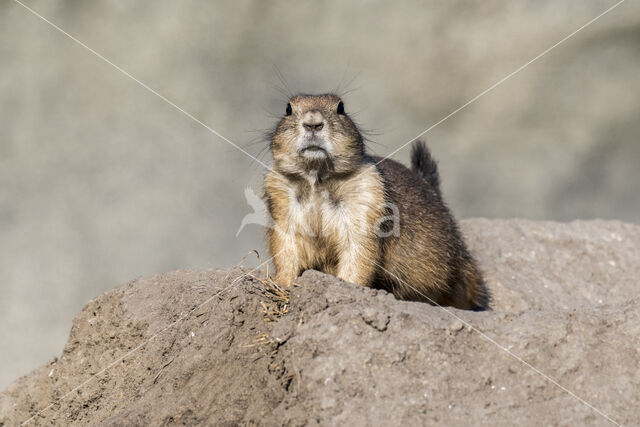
(316, 136)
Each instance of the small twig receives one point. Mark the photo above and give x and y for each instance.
(161, 369)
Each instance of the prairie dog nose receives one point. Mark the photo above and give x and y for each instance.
(313, 121)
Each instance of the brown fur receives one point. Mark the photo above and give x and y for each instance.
(332, 205)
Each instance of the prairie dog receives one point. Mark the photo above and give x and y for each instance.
(369, 221)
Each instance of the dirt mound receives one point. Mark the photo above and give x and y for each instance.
(560, 346)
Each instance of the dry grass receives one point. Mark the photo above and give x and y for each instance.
(261, 340)
(278, 297)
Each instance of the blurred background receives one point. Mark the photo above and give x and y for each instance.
(101, 181)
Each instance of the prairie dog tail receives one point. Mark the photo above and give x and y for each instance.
(423, 164)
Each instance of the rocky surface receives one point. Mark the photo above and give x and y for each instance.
(560, 346)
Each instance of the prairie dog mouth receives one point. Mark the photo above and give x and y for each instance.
(314, 152)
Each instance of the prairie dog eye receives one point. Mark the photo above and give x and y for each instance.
(288, 110)
(340, 108)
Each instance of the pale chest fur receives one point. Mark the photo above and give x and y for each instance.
(325, 223)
